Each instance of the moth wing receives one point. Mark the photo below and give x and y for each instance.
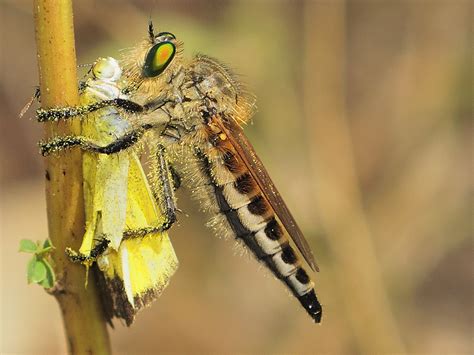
(92, 202)
(104, 179)
(105, 195)
(255, 166)
(141, 268)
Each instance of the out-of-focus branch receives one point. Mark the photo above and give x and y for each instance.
(336, 187)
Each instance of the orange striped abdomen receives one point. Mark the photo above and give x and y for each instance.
(239, 203)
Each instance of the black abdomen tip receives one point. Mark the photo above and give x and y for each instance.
(310, 302)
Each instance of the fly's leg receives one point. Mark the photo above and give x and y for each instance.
(66, 142)
(167, 181)
(164, 187)
(95, 252)
(143, 232)
(35, 97)
(121, 143)
(65, 113)
(176, 177)
(103, 242)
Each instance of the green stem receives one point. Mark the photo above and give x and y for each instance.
(84, 323)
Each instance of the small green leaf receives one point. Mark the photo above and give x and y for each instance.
(31, 269)
(39, 271)
(45, 248)
(28, 246)
(49, 280)
(46, 283)
(50, 277)
(47, 244)
(41, 251)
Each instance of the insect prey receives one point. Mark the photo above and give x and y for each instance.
(125, 231)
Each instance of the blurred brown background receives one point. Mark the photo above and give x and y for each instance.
(364, 124)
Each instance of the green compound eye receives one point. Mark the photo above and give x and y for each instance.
(158, 58)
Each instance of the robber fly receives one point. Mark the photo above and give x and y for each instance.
(190, 113)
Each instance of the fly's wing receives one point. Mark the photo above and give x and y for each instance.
(134, 275)
(246, 152)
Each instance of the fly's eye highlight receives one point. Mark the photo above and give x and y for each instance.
(158, 58)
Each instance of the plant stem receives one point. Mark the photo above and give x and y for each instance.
(84, 323)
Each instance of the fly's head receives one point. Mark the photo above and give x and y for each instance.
(153, 62)
(160, 55)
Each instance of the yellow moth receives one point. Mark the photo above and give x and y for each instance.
(125, 228)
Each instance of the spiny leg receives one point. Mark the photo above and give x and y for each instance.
(64, 113)
(165, 189)
(69, 112)
(66, 142)
(168, 182)
(103, 243)
(35, 97)
(143, 232)
(95, 252)
(176, 177)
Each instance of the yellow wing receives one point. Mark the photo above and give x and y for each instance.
(141, 268)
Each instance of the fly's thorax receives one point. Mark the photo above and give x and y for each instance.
(217, 87)
(194, 94)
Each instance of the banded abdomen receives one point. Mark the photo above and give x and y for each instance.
(230, 192)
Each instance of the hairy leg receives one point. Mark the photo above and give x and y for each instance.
(66, 142)
(64, 113)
